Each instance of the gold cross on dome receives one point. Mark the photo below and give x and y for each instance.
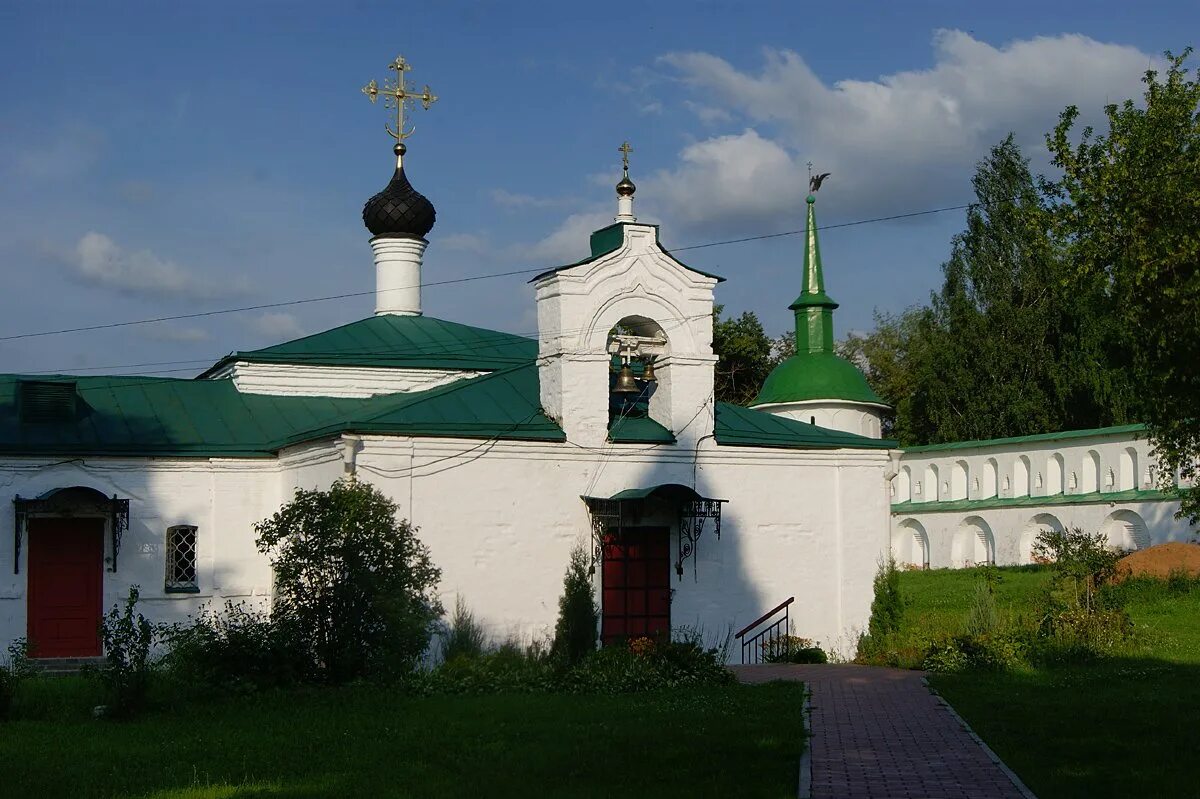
(397, 95)
(625, 150)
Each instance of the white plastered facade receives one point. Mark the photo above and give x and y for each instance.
(500, 519)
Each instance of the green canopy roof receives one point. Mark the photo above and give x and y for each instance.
(745, 427)
(399, 341)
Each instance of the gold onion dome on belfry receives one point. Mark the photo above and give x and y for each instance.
(626, 187)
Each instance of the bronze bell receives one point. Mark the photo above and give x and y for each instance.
(625, 382)
(648, 372)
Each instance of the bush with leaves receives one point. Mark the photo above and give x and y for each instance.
(238, 648)
(578, 613)
(464, 637)
(128, 638)
(354, 579)
(14, 668)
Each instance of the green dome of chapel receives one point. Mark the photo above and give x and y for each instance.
(815, 372)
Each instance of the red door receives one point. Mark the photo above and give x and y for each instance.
(636, 583)
(65, 570)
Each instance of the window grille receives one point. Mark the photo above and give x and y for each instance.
(181, 558)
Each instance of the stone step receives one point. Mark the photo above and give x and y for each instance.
(55, 666)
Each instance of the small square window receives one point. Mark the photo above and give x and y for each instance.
(181, 559)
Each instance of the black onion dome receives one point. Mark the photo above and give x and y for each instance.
(399, 210)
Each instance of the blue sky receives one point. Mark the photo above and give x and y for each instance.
(161, 158)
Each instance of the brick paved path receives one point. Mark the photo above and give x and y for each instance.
(881, 734)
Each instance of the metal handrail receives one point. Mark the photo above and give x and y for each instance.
(765, 616)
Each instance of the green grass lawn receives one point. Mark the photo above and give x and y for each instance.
(365, 741)
(1126, 726)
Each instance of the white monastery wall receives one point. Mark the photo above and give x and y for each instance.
(1104, 482)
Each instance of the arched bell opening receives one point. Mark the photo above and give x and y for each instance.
(637, 347)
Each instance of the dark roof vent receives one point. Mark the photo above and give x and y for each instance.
(46, 401)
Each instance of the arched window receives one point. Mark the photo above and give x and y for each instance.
(634, 345)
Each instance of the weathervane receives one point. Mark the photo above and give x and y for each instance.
(815, 181)
(396, 94)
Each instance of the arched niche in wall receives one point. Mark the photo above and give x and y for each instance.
(904, 484)
(990, 472)
(959, 480)
(1043, 522)
(932, 486)
(1022, 479)
(1090, 471)
(1055, 469)
(1127, 479)
(973, 543)
(1126, 530)
(910, 544)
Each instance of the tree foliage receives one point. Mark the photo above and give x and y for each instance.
(1128, 207)
(578, 613)
(1004, 348)
(745, 355)
(354, 580)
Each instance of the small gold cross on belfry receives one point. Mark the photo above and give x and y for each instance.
(625, 150)
(397, 95)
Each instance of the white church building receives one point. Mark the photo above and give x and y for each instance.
(505, 452)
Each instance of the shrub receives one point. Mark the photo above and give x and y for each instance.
(578, 614)
(985, 616)
(985, 652)
(355, 581)
(14, 668)
(127, 639)
(463, 637)
(793, 649)
(887, 616)
(887, 608)
(1082, 562)
(236, 649)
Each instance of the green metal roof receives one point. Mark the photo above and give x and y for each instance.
(608, 240)
(815, 372)
(135, 416)
(399, 341)
(816, 376)
(639, 430)
(1092, 498)
(1061, 435)
(744, 427)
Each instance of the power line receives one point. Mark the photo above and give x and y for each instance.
(469, 279)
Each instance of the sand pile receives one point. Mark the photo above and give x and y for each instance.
(1161, 560)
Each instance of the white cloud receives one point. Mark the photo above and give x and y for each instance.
(708, 114)
(99, 261)
(278, 325)
(569, 242)
(898, 142)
